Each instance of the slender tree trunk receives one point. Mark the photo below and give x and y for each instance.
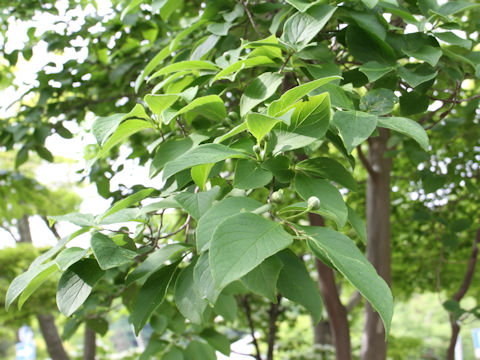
(52, 338)
(322, 334)
(89, 344)
(374, 346)
(337, 313)
(46, 321)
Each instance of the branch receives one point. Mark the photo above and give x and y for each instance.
(250, 17)
(52, 228)
(456, 101)
(272, 326)
(365, 162)
(248, 313)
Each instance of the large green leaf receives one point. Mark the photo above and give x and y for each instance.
(155, 261)
(378, 101)
(202, 154)
(70, 256)
(358, 224)
(210, 106)
(331, 201)
(354, 126)
(242, 242)
(263, 279)
(202, 276)
(260, 125)
(260, 89)
(250, 175)
(296, 284)
(20, 283)
(290, 97)
(407, 127)
(187, 299)
(123, 132)
(76, 284)
(416, 74)
(158, 103)
(220, 211)
(351, 263)
(128, 201)
(151, 295)
(108, 254)
(330, 169)
(426, 53)
(301, 28)
(196, 204)
(365, 46)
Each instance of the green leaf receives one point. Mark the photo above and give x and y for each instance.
(415, 74)
(190, 65)
(210, 106)
(366, 47)
(451, 38)
(19, 284)
(426, 53)
(242, 242)
(202, 276)
(158, 103)
(302, 5)
(98, 324)
(413, 103)
(301, 28)
(35, 283)
(236, 130)
(69, 257)
(202, 154)
(173, 354)
(152, 64)
(197, 204)
(76, 284)
(187, 299)
(242, 65)
(263, 279)
(375, 70)
(217, 340)
(103, 127)
(108, 254)
(331, 201)
(151, 295)
(454, 7)
(250, 175)
(260, 89)
(156, 261)
(260, 125)
(351, 263)
(76, 219)
(378, 101)
(290, 97)
(226, 306)
(220, 29)
(296, 284)
(204, 47)
(200, 174)
(358, 224)
(330, 169)
(370, 3)
(354, 126)
(406, 127)
(128, 201)
(197, 350)
(215, 215)
(123, 132)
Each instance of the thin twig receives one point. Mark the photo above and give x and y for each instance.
(182, 128)
(248, 313)
(285, 62)
(456, 101)
(365, 162)
(52, 228)
(272, 326)
(250, 17)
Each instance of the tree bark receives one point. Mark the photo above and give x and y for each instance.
(337, 314)
(52, 338)
(23, 227)
(89, 344)
(374, 346)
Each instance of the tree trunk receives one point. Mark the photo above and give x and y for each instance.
(337, 314)
(46, 321)
(52, 338)
(374, 346)
(89, 344)
(322, 334)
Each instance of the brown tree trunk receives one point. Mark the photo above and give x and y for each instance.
(337, 314)
(374, 346)
(52, 338)
(46, 321)
(89, 344)
(322, 334)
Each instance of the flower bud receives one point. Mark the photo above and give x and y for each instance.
(313, 203)
(277, 197)
(257, 149)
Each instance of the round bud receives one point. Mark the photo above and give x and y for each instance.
(267, 137)
(233, 115)
(313, 203)
(277, 197)
(257, 149)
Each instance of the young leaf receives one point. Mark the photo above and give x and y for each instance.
(260, 89)
(351, 263)
(158, 103)
(151, 295)
(355, 127)
(242, 242)
(296, 284)
(76, 284)
(108, 254)
(215, 215)
(407, 127)
(200, 174)
(263, 279)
